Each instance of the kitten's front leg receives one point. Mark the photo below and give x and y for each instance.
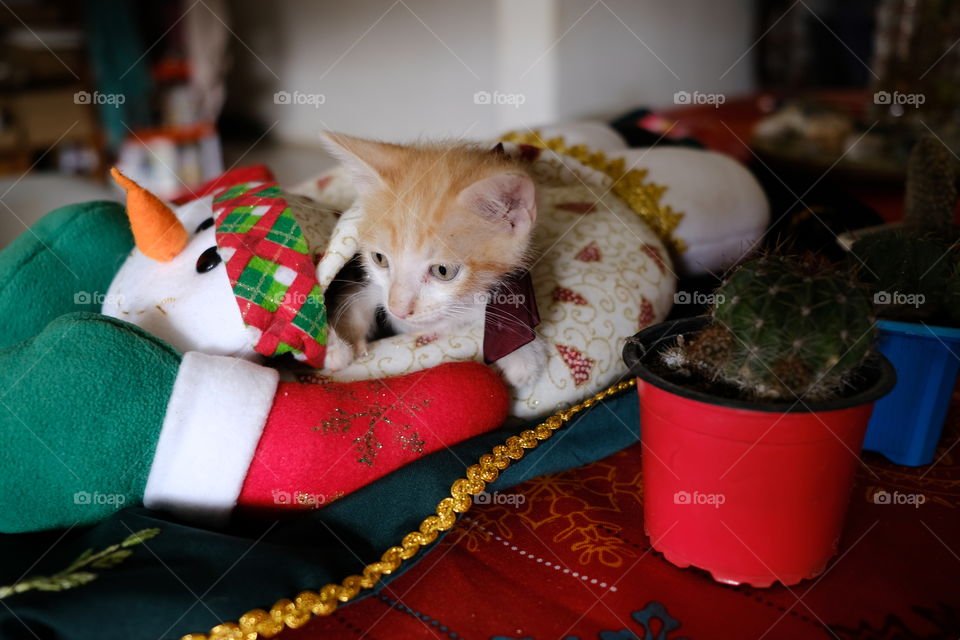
(351, 324)
(525, 365)
(340, 353)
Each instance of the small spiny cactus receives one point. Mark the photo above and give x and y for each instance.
(782, 328)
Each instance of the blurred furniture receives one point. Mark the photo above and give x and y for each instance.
(46, 108)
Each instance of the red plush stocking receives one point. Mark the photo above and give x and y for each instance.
(322, 441)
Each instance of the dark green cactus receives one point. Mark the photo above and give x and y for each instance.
(912, 269)
(908, 273)
(931, 189)
(951, 305)
(783, 328)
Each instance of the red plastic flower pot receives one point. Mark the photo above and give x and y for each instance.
(752, 492)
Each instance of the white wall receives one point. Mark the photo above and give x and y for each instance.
(625, 53)
(399, 70)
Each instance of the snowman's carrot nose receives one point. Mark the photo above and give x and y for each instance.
(156, 230)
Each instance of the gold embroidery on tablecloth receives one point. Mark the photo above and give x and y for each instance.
(555, 505)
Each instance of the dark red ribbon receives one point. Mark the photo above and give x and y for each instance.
(511, 316)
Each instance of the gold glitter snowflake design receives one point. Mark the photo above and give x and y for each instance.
(368, 444)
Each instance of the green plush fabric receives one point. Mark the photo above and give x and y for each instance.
(81, 406)
(63, 263)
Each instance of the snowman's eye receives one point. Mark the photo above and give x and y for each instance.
(208, 260)
(203, 226)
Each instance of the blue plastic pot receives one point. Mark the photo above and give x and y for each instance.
(907, 423)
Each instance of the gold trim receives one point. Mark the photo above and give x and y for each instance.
(631, 186)
(296, 613)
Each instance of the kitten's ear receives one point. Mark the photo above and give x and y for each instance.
(367, 160)
(506, 198)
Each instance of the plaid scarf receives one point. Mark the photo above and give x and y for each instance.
(271, 271)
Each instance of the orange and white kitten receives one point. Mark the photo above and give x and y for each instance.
(441, 226)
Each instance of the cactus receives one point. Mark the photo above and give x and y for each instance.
(912, 269)
(782, 328)
(908, 273)
(951, 304)
(931, 189)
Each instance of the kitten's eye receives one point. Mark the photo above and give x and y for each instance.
(208, 260)
(380, 260)
(444, 271)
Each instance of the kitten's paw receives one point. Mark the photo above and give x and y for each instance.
(525, 365)
(339, 353)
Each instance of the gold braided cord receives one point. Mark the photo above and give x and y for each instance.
(297, 612)
(630, 186)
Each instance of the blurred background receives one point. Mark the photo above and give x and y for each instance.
(811, 94)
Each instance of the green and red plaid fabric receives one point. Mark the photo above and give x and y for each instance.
(271, 271)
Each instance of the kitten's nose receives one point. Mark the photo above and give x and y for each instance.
(400, 312)
(400, 305)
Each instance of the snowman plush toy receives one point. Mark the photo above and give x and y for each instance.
(172, 354)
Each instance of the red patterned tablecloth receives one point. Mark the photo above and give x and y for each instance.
(565, 557)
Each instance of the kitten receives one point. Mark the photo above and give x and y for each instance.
(441, 226)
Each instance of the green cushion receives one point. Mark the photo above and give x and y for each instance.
(63, 263)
